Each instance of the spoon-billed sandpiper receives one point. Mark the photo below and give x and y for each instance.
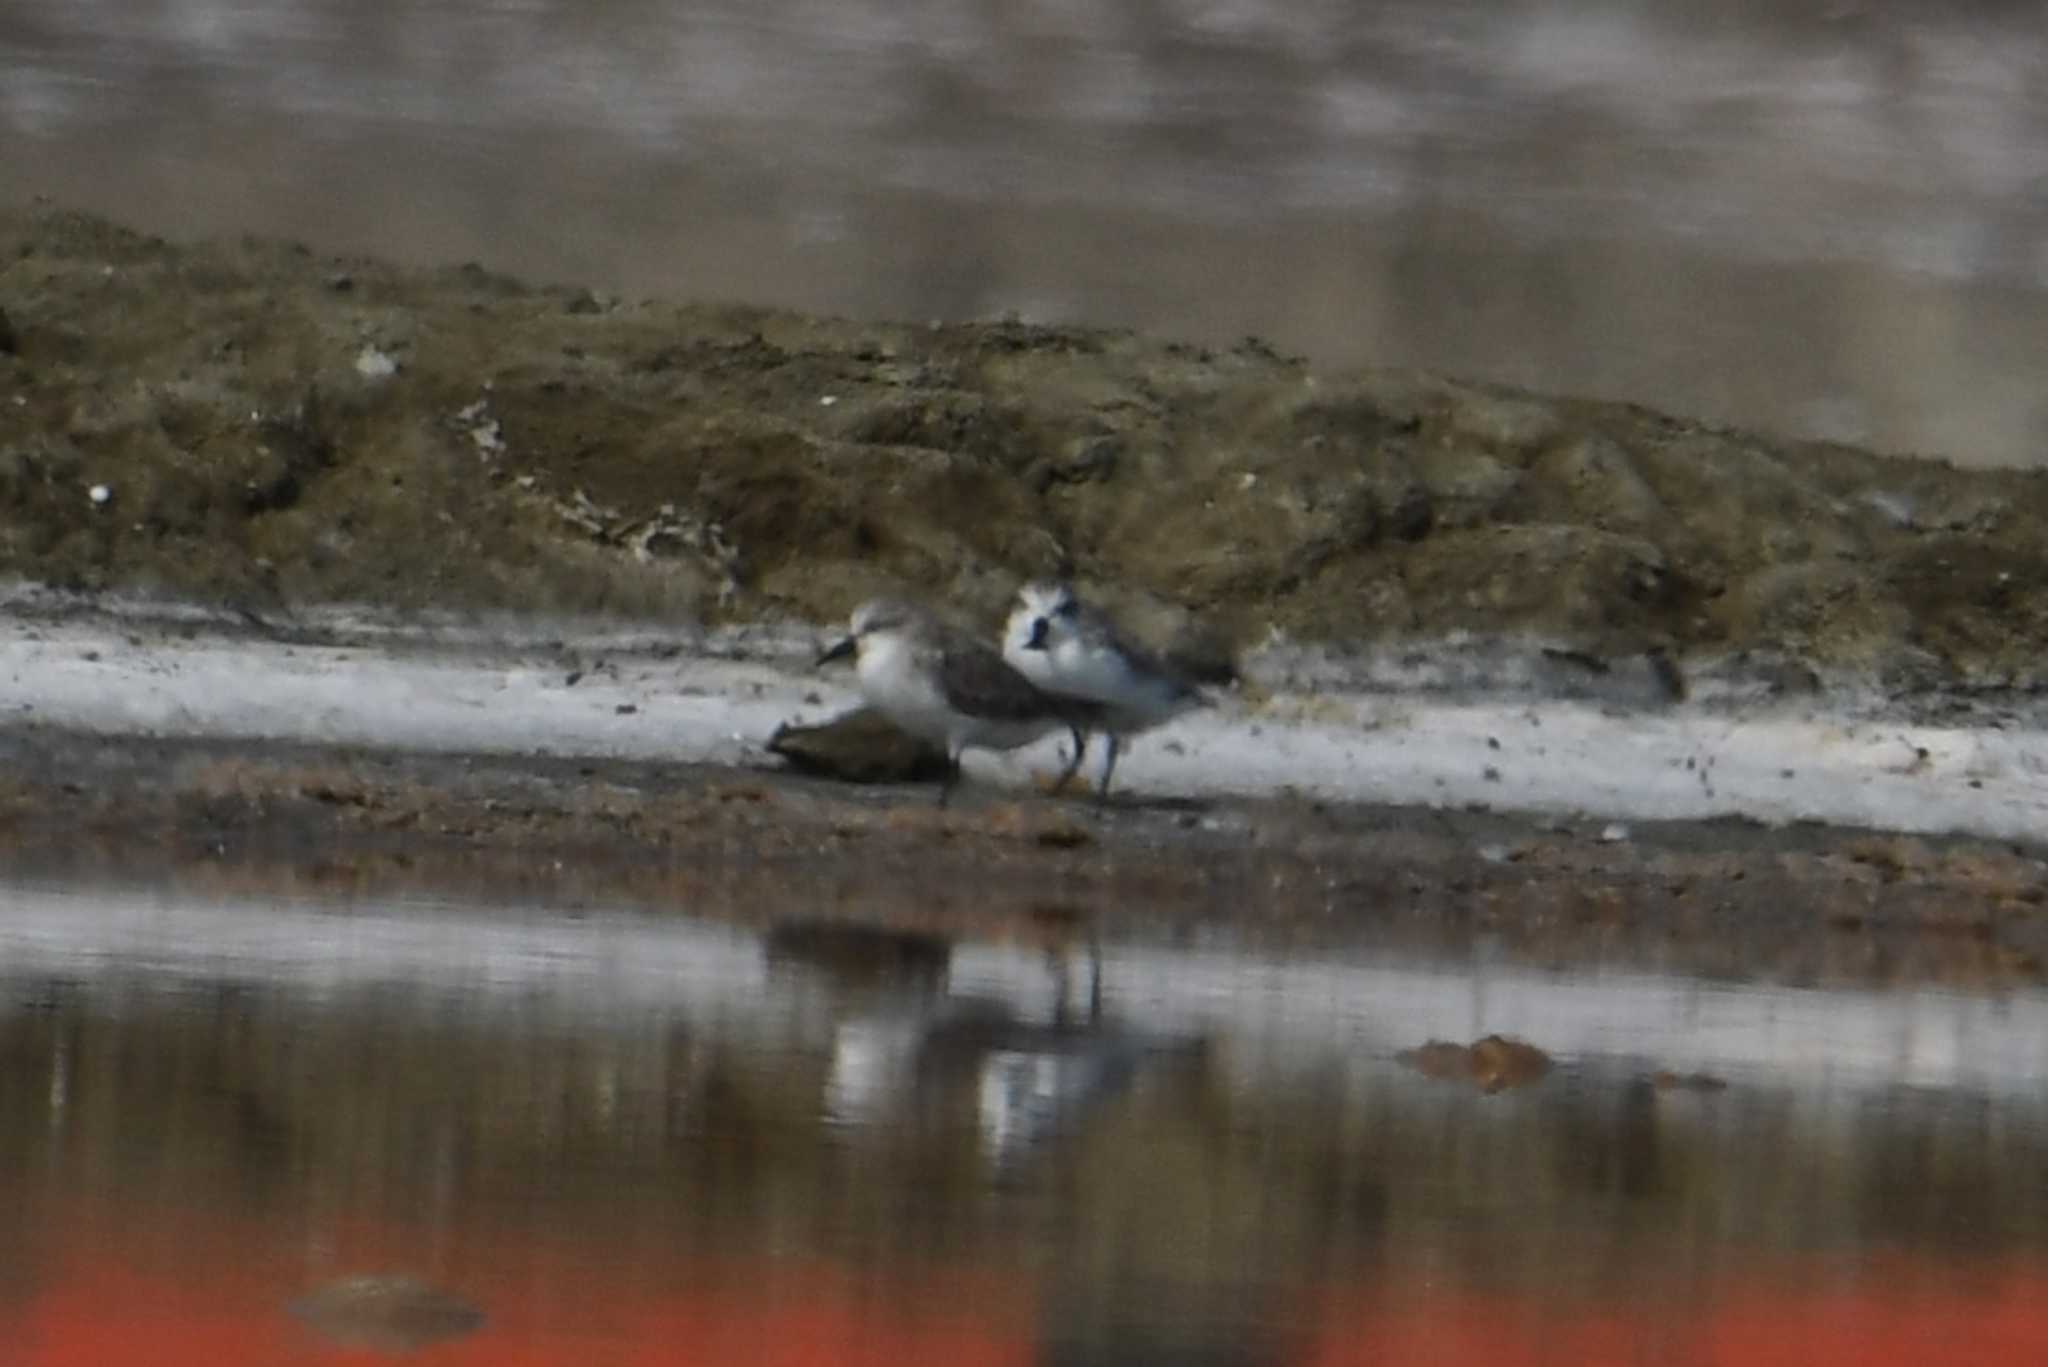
(941, 685)
(1071, 649)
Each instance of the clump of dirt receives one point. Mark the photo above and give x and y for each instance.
(250, 423)
(1802, 904)
(1492, 1064)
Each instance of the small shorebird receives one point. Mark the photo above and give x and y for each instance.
(1072, 649)
(941, 685)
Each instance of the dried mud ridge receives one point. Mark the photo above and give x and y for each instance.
(270, 428)
(1803, 904)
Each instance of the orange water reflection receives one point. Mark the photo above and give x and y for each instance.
(191, 1290)
(1889, 1311)
(724, 1155)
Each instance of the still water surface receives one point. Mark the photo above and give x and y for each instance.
(623, 1136)
(1827, 218)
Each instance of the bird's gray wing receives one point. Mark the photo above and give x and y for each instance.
(1098, 628)
(978, 682)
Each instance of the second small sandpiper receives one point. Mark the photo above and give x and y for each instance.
(941, 685)
(1073, 650)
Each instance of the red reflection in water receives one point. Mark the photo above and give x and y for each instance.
(197, 1294)
(1889, 1313)
(191, 1291)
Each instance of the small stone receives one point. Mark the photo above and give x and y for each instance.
(386, 1314)
(1492, 1064)
(1894, 508)
(373, 364)
(100, 495)
(1664, 1080)
(861, 747)
(1613, 832)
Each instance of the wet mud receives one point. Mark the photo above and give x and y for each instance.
(1801, 904)
(254, 425)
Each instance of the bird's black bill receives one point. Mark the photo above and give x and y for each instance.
(839, 651)
(1037, 638)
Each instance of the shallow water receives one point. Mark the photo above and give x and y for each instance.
(614, 1135)
(1824, 219)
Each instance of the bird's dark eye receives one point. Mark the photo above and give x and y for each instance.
(1068, 607)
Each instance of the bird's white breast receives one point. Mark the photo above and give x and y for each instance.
(1096, 670)
(897, 686)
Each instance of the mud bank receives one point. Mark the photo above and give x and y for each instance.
(232, 819)
(357, 505)
(271, 429)
(726, 696)
(620, 770)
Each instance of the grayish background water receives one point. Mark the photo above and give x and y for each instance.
(1822, 218)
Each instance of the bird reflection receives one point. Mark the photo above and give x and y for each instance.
(911, 1045)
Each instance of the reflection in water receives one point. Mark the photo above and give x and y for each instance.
(650, 1139)
(1823, 218)
(389, 1314)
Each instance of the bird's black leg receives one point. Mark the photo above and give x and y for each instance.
(1108, 768)
(952, 777)
(1073, 760)
(1094, 974)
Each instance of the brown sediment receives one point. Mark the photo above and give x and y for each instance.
(1801, 904)
(1492, 1064)
(275, 429)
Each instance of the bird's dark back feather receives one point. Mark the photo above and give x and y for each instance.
(980, 683)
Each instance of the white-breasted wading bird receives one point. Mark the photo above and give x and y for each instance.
(941, 685)
(1072, 649)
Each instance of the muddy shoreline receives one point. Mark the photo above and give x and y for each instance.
(1803, 904)
(266, 435)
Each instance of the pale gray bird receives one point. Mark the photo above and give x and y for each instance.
(1071, 649)
(941, 685)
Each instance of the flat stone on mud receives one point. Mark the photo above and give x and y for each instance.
(861, 746)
